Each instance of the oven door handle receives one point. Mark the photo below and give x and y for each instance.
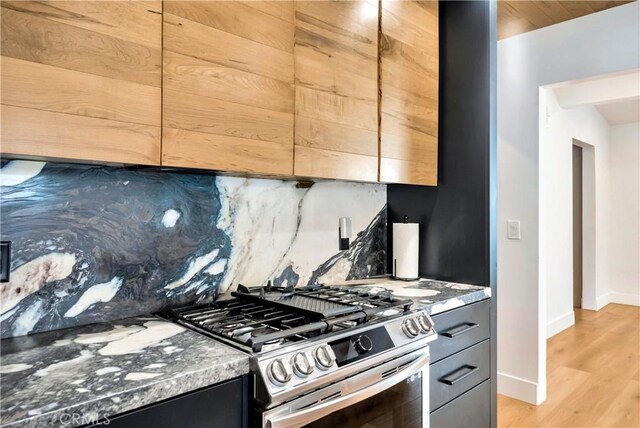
(311, 414)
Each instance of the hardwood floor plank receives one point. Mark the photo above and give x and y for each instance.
(592, 380)
(625, 410)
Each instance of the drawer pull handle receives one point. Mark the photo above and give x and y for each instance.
(453, 378)
(458, 330)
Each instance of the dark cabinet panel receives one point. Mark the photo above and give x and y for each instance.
(458, 373)
(460, 328)
(467, 411)
(222, 405)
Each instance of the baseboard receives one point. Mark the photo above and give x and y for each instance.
(602, 301)
(520, 389)
(561, 323)
(624, 298)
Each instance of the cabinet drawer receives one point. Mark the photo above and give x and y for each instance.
(470, 410)
(458, 373)
(460, 328)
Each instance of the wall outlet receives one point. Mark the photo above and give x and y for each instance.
(513, 229)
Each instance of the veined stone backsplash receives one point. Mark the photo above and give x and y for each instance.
(96, 243)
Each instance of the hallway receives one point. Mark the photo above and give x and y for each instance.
(593, 371)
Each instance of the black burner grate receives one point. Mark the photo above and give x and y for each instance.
(313, 306)
(263, 317)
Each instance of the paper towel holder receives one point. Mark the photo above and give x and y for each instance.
(406, 276)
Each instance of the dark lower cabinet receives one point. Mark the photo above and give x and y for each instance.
(470, 410)
(220, 406)
(460, 372)
(460, 328)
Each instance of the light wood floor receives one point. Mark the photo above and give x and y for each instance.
(593, 371)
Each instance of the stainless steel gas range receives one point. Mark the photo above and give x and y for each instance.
(326, 356)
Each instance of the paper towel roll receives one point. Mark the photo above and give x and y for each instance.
(405, 250)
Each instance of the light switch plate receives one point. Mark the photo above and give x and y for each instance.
(513, 229)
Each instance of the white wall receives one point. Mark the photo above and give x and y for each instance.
(624, 284)
(558, 129)
(595, 44)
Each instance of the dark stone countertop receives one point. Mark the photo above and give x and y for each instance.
(105, 369)
(432, 295)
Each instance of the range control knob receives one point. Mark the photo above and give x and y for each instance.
(410, 327)
(425, 324)
(324, 357)
(279, 371)
(363, 344)
(301, 365)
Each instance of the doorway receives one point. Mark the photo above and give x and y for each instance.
(577, 226)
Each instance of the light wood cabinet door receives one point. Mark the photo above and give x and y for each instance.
(228, 86)
(81, 80)
(336, 89)
(409, 61)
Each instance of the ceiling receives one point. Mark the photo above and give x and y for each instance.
(515, 17)
(621, 112)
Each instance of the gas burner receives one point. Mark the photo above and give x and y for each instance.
(273, 344)
(263, 318)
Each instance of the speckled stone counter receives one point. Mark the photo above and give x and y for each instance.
(105, 369)
(433, 296)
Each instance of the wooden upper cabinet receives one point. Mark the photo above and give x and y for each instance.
(228, 86)
(336, 89)
(81, 80)
(409, 92)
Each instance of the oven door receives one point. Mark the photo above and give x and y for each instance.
(394, 394)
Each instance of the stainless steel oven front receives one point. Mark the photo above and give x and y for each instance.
(393, 393)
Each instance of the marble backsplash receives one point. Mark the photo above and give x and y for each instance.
(96, 243)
